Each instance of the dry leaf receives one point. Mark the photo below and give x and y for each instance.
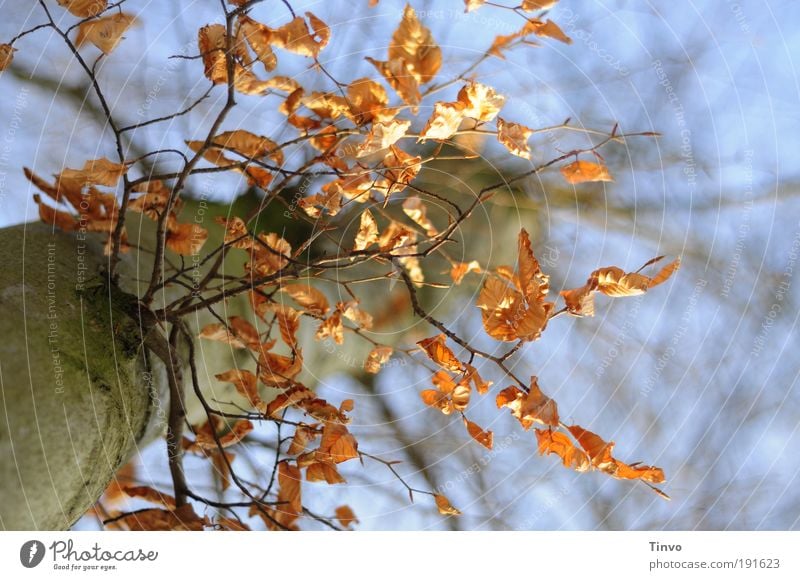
(461, 269)
(519, 311)
(530, 407)
(84, 8)
(186, 239)
(308, 297)
(413, 43)
(440, 353)
(377, 357)
(157, 520)
(470, 5)
(367, 232)
(444, 506)
(97, 172)
(245, 383)
(345, 516)
(416, 209)
(444, 122)
(536, 5)
(478, 434)
(614, 282)
(258, 36)
(555, 442)
(514, 137)
(583, 171)
(368, 102)
(6, 56)
(400, 79)
(381, 136)
(150, 495)
(105, 33)
(480, 102)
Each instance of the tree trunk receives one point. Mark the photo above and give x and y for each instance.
(78, 393)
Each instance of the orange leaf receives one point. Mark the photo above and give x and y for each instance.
(157, 520)
(84, 8)
(308, 297)
(481, 102)
(245, 383)
(583, 171)
(438, 352)
(444, 506)
(558, 443)
(324, 472)
(376, 358)
(150, 495)
(514, 137)
(105, 33)
(6, 56)
(478, 434)
(413, 43)
(345, 516)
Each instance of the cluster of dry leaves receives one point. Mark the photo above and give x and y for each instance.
(514, 307)
(362, 134)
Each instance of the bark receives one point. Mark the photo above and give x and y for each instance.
(78, 392)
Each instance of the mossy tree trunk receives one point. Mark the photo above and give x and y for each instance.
(78, 392)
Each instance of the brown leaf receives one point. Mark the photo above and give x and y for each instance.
(461, 269)
(376, 358)
(444, 506)
(84, 8)
(368, 102)
(308, 297)
(245, 383)
(401, 169)
(298, 38)
(536, 5)
(289, 484)
(258, 36)
(528, 408)
(519, 312)
(97, 172)
(514, 137)
(481, 102)
(400, 79)
(345, 516)
(416, 209)
(583, 171)
(614, 282)
(413, 43)
(303, 435)
(237, 432)
(186, 239)
(157, 520)
(555, 442)
(150, 495)
(382, 136)
(599, 452)
(6, 56)
(440, 353)
(332, 328)
(105, 33)
(480, 385)
(444, 122)
(478, 434)
(337, 444)
(367, 232)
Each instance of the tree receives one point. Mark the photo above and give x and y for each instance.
(180, 274)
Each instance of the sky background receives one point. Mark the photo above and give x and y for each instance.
(699, 376)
